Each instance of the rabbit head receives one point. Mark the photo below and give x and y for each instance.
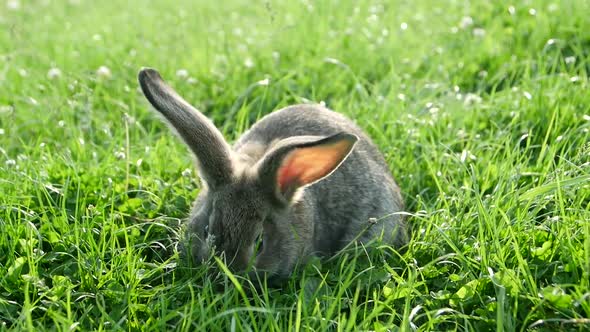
(238, 212)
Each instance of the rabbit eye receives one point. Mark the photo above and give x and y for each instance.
(206, 230)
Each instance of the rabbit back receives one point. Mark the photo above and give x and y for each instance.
(359, 200)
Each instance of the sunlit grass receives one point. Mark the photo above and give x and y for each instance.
(481, 109)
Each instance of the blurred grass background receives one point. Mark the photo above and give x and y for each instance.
(481, 108)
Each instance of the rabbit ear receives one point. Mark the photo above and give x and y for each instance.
(197, 131)
(298, 164)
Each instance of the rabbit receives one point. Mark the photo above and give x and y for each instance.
(303, 181)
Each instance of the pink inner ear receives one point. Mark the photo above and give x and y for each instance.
(288, 174)
(307, 165)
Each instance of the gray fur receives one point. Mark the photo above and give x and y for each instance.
(194, 128)
(243, 202)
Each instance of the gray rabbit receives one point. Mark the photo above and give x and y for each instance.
(302, 181)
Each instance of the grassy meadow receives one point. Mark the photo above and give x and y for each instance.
(482, 110)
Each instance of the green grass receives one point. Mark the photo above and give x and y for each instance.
(484, 121)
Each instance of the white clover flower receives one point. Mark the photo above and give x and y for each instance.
(471, 99)
(53, 73)
(550, 42)
(2, 131)
(23, 72)
(570, 60)
(532, 12)
(6, 109)
(467, 154)
(263, 82)
(248, 63)
(479, 32)
(120, 155)
(276, 56)
(13, 4)
(103, 72)
(466, 22)
(182, 73)
(237, 32)
(10, 162)
(403, 26)
(372, 18)
(527, 95)
(511, 10)
(187, 173)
